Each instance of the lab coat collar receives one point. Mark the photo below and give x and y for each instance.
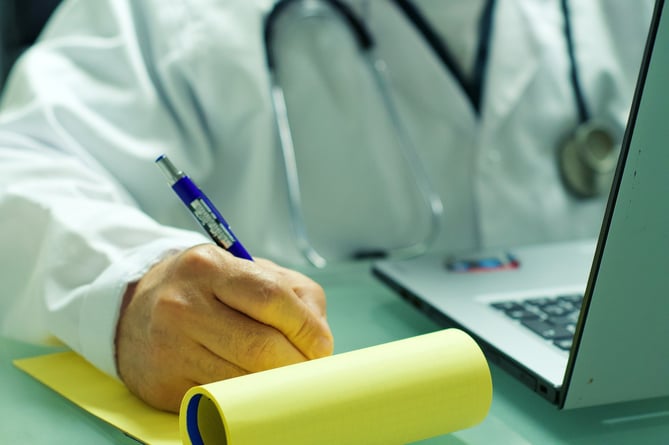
(513, 64)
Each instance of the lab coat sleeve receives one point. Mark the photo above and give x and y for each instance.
(83, 107)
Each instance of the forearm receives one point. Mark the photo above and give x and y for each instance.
(70, 244)
(81, 121)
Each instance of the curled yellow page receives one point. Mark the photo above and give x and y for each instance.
(394, 393)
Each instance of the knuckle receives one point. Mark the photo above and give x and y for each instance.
(318, 293)
(305, 330)
(170, 313)
(268, 293)
(198, 258)
(313, 288)
(171, 308)
(261, 349)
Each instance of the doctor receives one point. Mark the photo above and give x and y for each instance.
(99, 254)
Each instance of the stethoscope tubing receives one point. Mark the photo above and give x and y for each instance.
(579, 96)
(360, 32)
(474, 87)
(377, 68)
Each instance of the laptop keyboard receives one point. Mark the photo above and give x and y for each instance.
(552, 318)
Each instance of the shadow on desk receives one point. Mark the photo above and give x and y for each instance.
(31, 413)
(641, 422)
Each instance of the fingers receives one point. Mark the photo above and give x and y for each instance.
(202, 316)
(306, 289)
(205, 366)
(288, 302)
(285, 300)
(242, 341)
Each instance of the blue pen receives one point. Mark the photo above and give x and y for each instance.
(202, 209)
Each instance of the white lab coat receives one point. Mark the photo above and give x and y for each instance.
(114, 83)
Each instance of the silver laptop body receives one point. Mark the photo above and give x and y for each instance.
(619, 348)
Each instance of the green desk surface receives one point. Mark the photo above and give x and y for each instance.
(362, 312)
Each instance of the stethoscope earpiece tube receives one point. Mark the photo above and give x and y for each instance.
(362, 35)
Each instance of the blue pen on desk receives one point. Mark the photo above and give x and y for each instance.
(202, 209)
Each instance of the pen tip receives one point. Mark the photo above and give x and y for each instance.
(160, 158)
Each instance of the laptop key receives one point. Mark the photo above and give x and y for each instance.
(576, 299)
(550, 317)
(540, 301)
(514, 310)
(555, 310)
(560, 321)
(506, 305)
(547, 330)
(563, 343)
(521, 314)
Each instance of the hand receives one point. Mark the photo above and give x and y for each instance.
(203, 315)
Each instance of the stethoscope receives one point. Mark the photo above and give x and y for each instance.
(431, 200)
(588, 155)
(586, 158)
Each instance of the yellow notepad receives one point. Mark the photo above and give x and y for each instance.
(71, 376)
(394, 393)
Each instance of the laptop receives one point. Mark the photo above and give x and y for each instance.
(582, 323)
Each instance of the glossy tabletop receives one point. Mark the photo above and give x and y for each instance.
(362, 312)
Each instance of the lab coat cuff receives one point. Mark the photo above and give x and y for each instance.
(101, 306)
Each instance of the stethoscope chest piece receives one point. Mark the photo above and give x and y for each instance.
(588, 160)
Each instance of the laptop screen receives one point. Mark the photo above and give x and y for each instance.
(622, 352)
